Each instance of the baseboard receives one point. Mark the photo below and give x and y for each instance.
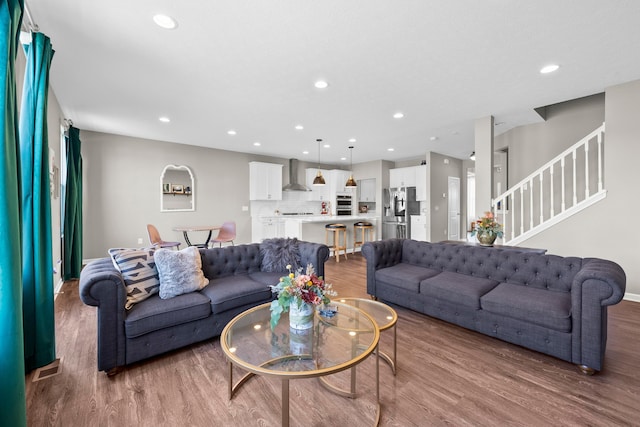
(56, 288)
(632, 297)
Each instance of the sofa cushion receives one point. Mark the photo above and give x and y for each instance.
(155, 313)
(139, 272)
(266, 278)
(235, 291)
(180, 271)
(278, 253)
(405, 276)
(457, 288)
(542, 307)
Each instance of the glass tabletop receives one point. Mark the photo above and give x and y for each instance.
(384, 315)
(331, 345)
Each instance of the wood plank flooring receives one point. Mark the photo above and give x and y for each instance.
(446, 376)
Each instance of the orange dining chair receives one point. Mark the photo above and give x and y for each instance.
(156, 240)
(227, 233)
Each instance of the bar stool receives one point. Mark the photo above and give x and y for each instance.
(366, 228)
(336, 229)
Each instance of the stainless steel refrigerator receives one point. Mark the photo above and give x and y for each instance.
(399, 204)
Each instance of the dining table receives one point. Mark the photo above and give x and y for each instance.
(186, 229)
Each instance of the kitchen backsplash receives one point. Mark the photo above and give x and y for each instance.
(269, 208)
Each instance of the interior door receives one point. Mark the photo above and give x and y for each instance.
(454, 208)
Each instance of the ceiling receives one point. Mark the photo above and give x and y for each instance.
(250, 66)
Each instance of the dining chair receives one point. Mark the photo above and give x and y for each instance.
(227, 233)
(156, 240)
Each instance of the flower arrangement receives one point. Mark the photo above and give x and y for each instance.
(298, 288)
(487, 224)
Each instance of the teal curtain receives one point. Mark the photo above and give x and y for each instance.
(12, 390)
(37, 262)
(73, 208)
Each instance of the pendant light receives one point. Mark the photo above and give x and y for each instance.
(319, 179)
(351, 182)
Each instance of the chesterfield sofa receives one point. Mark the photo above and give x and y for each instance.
(237, 281)
(551, 304)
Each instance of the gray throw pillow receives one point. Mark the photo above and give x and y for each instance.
(180, 271)
(278, 253)
(138, 270)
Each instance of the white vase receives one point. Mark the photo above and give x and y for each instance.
(300, 317)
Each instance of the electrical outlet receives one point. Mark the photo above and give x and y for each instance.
(245, 208)
(139, 240)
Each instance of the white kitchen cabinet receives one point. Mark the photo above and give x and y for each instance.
(265, 181)
(318, 192)
(266, 228)
(419, 228)
(339, 178)
(402, 177)
(367, 190)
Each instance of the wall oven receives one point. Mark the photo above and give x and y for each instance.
(343, 204)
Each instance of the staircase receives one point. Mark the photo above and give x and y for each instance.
(569, 183)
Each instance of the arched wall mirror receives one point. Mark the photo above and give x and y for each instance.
(177, 189)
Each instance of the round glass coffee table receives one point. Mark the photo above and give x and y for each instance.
(386, 318)
(334, 344)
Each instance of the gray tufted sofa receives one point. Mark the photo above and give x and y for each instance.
(155, 326)
(551, 304)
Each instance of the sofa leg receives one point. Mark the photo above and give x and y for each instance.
(114, 371)
(586, 370)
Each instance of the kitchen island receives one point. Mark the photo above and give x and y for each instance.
(310, 228)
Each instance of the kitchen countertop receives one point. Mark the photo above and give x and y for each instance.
(323, 218)
(328, 218)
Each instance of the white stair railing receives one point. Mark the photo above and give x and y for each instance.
(529, 207)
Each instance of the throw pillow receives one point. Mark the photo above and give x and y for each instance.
(180, 271)
(138, 270)
(278, 253)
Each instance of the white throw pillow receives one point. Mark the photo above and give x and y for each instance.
(180, 271)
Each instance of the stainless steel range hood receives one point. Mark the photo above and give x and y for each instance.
(293, 178)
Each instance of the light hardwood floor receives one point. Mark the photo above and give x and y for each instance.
(446, 376)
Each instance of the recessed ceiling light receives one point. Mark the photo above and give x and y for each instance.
(433, 138)
(164, 119)
(257, 144)
(352, 140)
(398, 115)
(326, 146)
(231, 132)
(390, 149)
(299, 127)
(549, 68)
(165, 21)
(343, 158)
(305, 152)
(321, 84)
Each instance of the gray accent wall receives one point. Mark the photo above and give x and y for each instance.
(121, 190)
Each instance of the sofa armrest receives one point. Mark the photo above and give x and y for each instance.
(380, 254)
(101, 285)
(313, 253)
(598, 284)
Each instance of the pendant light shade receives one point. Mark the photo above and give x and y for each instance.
(351, 182)
(319, 179)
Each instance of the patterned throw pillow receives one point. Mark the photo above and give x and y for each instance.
(180, 271)
(138, 270)
(278, 253)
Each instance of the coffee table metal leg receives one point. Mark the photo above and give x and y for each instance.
(285, 403)
(379, 411)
